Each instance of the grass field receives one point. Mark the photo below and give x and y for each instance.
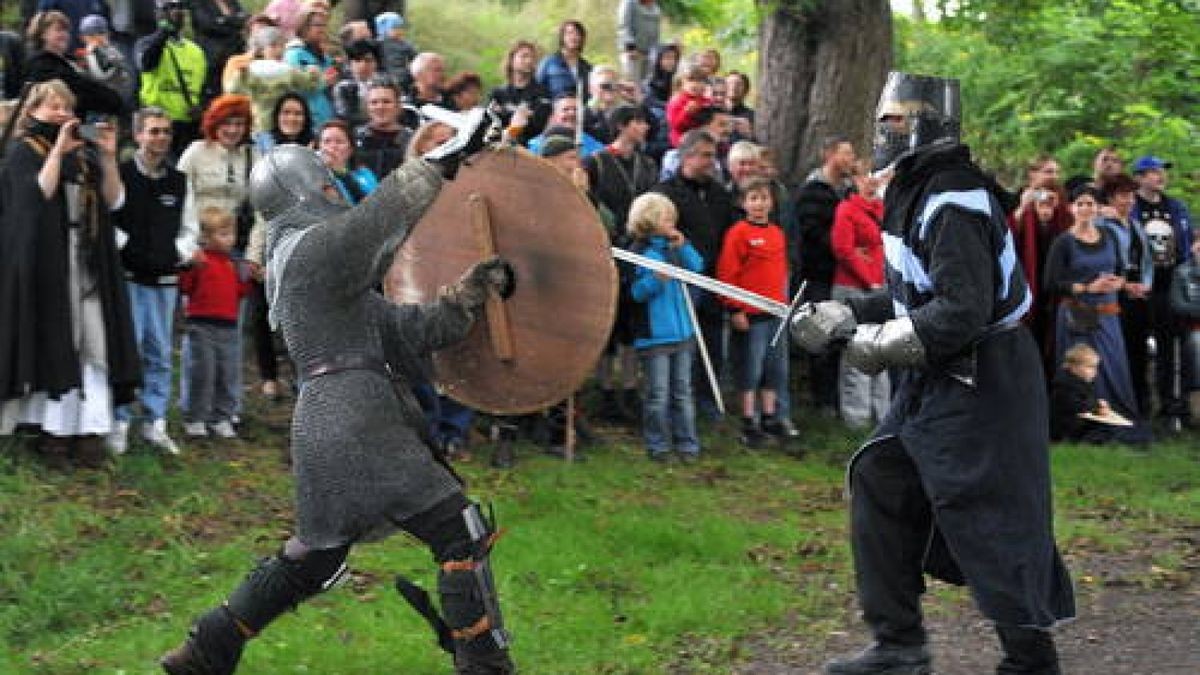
(614, 565)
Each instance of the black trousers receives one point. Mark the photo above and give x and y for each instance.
(891, 523)
(1172, 375)
(1135, 328)
(823, 368)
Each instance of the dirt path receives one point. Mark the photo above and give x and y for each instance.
(1135, 618)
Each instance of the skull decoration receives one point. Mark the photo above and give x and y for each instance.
(1162, 242)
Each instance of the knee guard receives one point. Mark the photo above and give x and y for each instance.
(280, 583)
(276, 585)
(461, 539)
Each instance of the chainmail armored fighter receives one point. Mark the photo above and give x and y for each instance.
(362, 468)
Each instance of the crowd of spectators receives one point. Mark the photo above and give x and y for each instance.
(195, 107)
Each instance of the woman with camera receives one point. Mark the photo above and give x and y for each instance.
(67, 354)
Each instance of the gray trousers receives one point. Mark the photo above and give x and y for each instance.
(864, 399)
(213, 360)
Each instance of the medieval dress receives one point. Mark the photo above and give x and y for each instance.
(67, 352)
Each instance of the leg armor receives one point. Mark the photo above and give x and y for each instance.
(471, 626)
(276, 585)
(1027, 651)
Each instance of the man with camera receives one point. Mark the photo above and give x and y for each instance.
(173, 72)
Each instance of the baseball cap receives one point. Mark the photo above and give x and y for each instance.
(1149, 162)
(93, 24)
(385, 22)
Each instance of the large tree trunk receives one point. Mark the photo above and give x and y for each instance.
(823, 63)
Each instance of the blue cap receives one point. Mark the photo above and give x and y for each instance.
(386, 22)
(1149, 162)
(93, 24)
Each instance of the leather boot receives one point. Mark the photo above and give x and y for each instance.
(88, 452)
(884, 659)
(1027, 651)
(213, 647)
(55, 451)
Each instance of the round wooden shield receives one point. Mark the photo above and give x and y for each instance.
(537, 347)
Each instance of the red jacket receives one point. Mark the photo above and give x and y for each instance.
(679, 120)
(214, 288)
(754, 257)
(857, 243)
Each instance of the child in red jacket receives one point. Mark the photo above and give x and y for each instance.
(213, 290)
(686, 104)
(857, 244)
(754, 257)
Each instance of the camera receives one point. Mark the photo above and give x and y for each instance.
(87, 132)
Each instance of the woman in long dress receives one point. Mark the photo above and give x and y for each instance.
(1084, 270)
(67, 353)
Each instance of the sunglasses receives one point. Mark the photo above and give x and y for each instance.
(161, 131)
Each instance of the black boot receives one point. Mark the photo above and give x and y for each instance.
(213, 647)
(884, 659)
(753, 436)
(630, 404)
(1028, 651)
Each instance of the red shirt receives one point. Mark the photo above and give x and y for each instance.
(857, 243)
(754, 257)
(213, 289)
(679, 120)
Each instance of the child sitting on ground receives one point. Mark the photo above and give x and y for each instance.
(664, 336)
(212, 291)
(1076, 414)
(754, 257)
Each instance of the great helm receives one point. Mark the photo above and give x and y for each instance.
(915, 111)
(287, 177)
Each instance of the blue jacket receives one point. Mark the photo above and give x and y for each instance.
(665, 320)
(320, 108)
(556, 76)
(1124, 238)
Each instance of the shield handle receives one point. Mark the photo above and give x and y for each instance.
(498, 324)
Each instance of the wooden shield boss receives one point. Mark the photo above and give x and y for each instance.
(537, 347)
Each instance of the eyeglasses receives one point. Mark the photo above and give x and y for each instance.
(160, 131)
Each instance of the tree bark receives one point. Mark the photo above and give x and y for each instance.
(823, 63)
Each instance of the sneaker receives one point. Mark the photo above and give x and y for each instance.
(155, 434)
(117, 442)
(195, 430)
(663, 457)
(223, 429)
(689, 457)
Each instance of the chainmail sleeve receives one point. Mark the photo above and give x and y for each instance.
(356, 244)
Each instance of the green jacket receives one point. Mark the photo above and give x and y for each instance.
(160, 86)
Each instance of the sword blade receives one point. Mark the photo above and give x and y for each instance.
(761, 302)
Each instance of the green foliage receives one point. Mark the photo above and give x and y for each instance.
(610, 566)
(1069, 78)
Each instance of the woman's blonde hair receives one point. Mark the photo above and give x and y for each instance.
(646, 212)
(39, 93)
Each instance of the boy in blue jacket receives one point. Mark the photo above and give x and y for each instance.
(664, 334)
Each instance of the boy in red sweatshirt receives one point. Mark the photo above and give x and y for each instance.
(212, 291)
(686, 104)
(754, 257)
